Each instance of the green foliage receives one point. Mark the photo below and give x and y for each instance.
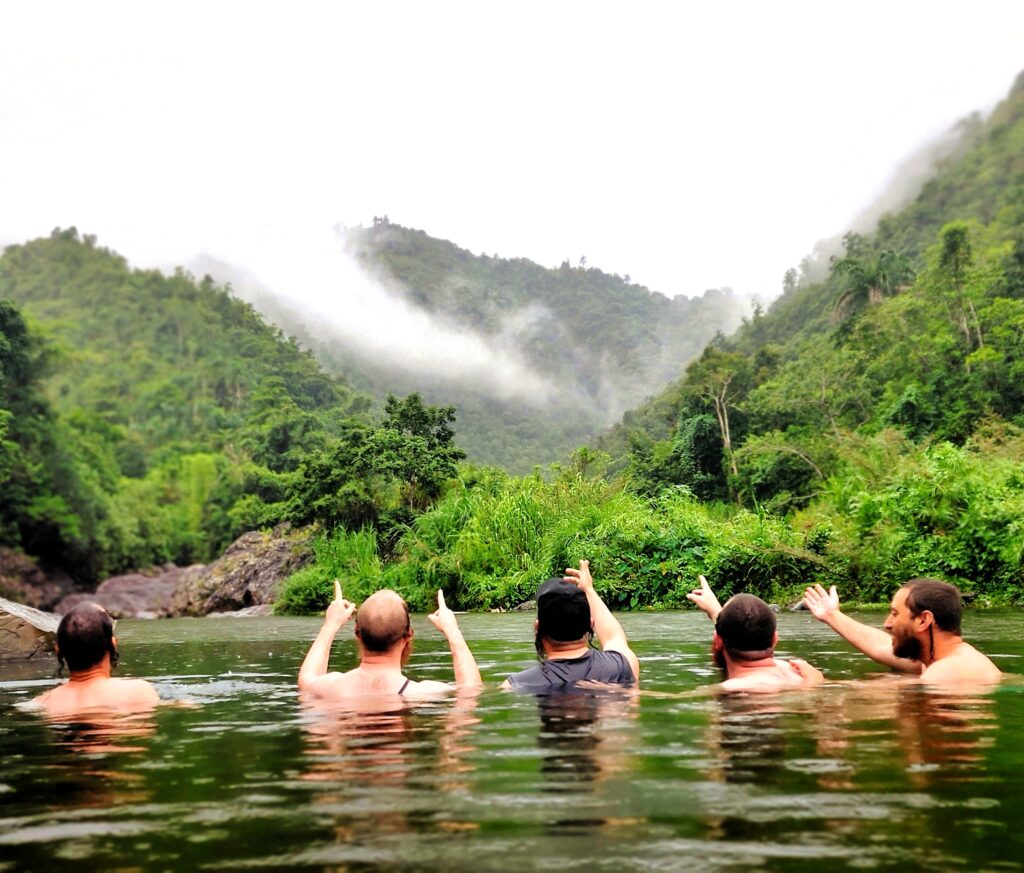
(150, 418)
(350, 556)
(493, 538)
(942, 511)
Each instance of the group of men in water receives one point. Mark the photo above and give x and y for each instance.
(922, 636)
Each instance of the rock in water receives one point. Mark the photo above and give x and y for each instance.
(248, 574)
(146, 594)
(25, 632)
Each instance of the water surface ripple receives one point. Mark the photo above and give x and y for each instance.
(866, 772)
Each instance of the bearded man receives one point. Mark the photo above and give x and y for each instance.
(744, 641)
(922, 633)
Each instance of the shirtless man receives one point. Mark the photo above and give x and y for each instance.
(86, 643)
(385, 635)
(569, 612)
(744, 644)
(922, 633)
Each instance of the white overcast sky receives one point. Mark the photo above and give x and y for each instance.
(688, 145)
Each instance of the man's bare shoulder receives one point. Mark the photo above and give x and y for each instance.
(964, 665)
(427, 688)
(335, 686)
(782, 676)
(137, 691)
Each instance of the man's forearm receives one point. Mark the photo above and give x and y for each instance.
(606, 626)
(872, 641)
(463, 662)
(319, 654)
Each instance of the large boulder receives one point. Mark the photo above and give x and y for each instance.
(24, 581)
(25, 632)
(248, 574)
(146, 594)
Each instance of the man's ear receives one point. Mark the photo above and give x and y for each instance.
(775, 639)
(923, 619)
(716, 643)
(536, 625)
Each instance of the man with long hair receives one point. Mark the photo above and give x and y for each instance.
(384, 633)
(87, 645)
(922, 633)
(569, 612)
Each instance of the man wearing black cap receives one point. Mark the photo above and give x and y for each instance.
(744, 644)
(569, 612)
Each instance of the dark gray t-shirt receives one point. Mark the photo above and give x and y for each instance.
(594, 666)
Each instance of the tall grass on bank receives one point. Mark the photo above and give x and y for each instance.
(493, 538)
(350, 556)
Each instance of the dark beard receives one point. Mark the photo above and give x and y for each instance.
(907, 647)
(719, 658)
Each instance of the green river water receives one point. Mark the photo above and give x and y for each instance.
(867, 772)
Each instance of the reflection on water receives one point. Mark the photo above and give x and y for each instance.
(868, 771)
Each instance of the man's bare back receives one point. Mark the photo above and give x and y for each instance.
(363, 682)
(778, 675)
(99, 693)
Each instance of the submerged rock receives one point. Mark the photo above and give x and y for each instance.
(25, 632)
(249, 612)
(248, 574)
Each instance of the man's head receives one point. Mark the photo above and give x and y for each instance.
(563, 614)
(85, 636)
(745, 629)
(918, 608)
(382, 623)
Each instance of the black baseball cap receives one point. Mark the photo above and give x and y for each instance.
(563, 614)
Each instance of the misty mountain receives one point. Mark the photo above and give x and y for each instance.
(535, 360)
(915, 326)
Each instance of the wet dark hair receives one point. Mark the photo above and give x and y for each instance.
(940, 598)
(378, 633)
(746, 626)
(84, 636)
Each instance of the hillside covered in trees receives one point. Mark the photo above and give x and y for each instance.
(147, 418)
(597, 343)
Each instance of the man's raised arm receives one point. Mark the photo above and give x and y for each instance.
(609, 632)
(466, 671)
(704, 598)
(872, 641)
(314, 667)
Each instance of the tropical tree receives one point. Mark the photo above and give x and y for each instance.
(866, 281)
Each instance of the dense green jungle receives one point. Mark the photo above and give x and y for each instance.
(863, 429)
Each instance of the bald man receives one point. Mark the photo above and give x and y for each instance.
(86, 643)
(384, 634)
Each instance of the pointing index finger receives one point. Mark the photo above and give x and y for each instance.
(337, 590)
(440, 598)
